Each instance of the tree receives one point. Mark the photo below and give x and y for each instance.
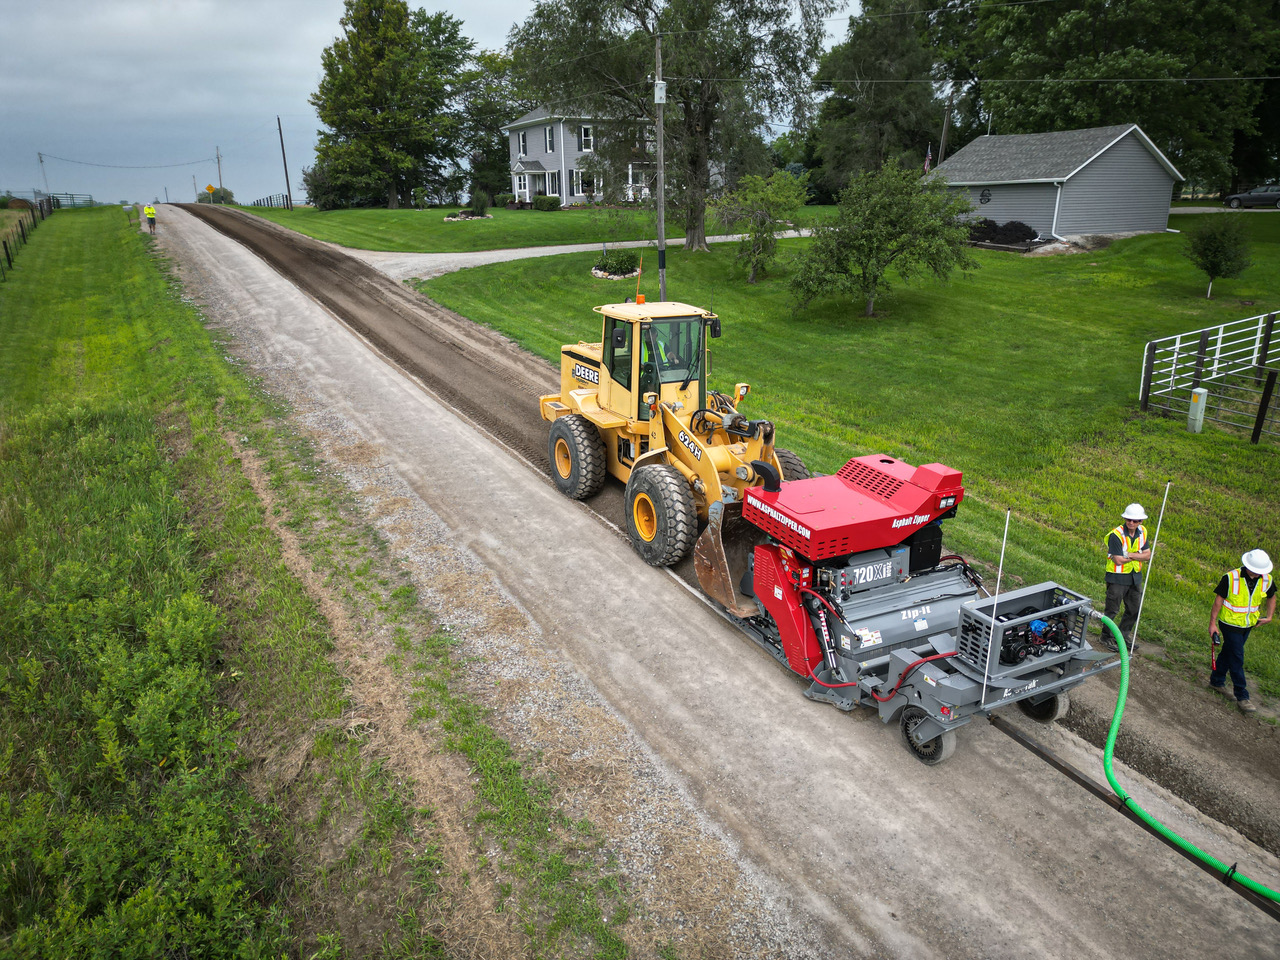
(491, 97)
(1219, 248)
(219, 195)
(887, 218)
(1084, 63)
(881, 104)
(388, 100)
(725, 62)
(757, 207)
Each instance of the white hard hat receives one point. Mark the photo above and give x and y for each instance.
(1134, 511)
(1257, 561)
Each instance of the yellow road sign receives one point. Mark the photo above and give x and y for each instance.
(209, 188)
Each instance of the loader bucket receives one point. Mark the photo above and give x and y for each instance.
(720, 557)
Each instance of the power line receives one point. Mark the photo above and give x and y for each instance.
(117, 166)
(826, 83)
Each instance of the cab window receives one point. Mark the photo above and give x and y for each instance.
(617, 352)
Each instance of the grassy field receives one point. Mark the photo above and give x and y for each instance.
(424, 231)
(1023, 374)
(160, 658)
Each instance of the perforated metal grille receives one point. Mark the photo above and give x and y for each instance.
(870, 479)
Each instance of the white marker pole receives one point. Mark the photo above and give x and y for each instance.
(1147, 578)
(995, 598)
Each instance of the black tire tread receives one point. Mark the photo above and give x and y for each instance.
(672, 496)
(793, 468)
(587, 450)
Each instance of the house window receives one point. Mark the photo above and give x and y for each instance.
(551, 139)
(580, 185)
(522, 185)
(522, 142)
(586, 139)
(553, 183)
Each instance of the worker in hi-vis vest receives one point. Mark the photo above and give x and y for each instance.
(1237, 609)
(1127, 550)
(150, 213)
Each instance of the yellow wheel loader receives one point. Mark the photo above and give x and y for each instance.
(637, 406)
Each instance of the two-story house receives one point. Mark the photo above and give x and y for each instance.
(547, 153)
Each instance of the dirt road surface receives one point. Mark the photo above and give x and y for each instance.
(829, 839)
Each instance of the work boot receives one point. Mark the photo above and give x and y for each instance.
(1219, 690)
(1246, 706)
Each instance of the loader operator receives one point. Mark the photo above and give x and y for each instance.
(1237, 609)
(1127, 550)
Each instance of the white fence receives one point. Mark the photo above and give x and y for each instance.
(1230, 361)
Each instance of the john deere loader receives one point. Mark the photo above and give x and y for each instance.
(636, 405)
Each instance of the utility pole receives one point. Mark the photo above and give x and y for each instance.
(218, 155)
(288, 192)
(195, 191)
(946, 126)
(42, 172)
(660, 100)
(166, 194)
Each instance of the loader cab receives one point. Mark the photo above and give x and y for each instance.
(658, 348)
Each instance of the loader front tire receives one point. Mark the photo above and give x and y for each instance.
(662, 520)
(576, 451)
(793, 467)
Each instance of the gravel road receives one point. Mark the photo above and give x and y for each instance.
(816, 832)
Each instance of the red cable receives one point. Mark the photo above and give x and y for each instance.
(854, 683)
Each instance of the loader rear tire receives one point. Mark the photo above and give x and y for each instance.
(662, 520)
(1049, 709)
(793, 467)
(931, 752)
(578, 462)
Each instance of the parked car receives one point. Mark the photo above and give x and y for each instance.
(1257, 197)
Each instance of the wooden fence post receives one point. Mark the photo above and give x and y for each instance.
(7, 255)
(1148, 370)
(1200, 354)
(1263, 404)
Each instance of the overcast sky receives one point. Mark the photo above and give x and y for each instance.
(158, 83)
(99, 86)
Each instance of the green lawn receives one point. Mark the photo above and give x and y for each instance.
(424, 231)
(1024, 375)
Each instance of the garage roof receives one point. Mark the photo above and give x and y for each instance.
(1039, 157)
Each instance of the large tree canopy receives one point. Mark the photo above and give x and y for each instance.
(1181, 69)
(491, 97)
(726, 62)
(881, 104)
(388, 100)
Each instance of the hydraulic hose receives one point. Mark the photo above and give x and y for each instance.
(1228, 873)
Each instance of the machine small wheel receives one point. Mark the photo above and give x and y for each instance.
(931, 752)
(662, 520)
(1051, 708)
(578, 464)
(793, 467)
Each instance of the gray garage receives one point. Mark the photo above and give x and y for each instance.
(1068, 183)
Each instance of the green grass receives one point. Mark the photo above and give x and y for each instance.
(155, 640)
(426, 231)
(1024, 375)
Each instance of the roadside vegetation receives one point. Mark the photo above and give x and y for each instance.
(183, 772)
(1023, 374)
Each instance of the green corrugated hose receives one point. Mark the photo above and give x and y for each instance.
(1228, 872)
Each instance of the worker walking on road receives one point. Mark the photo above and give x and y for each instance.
(150, 213)
(1127, 550)
(1237, 609)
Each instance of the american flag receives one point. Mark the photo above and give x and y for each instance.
(928, 158)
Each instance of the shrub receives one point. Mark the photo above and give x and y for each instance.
(985, 230)
(502, 199)
(546, 203)
(619, 263)
(480, 203)
(1219, 248)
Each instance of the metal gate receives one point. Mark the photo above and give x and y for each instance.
(1234, 362)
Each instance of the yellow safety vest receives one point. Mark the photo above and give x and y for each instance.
(1242, 607)
(1134, 545)
(149, 211)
